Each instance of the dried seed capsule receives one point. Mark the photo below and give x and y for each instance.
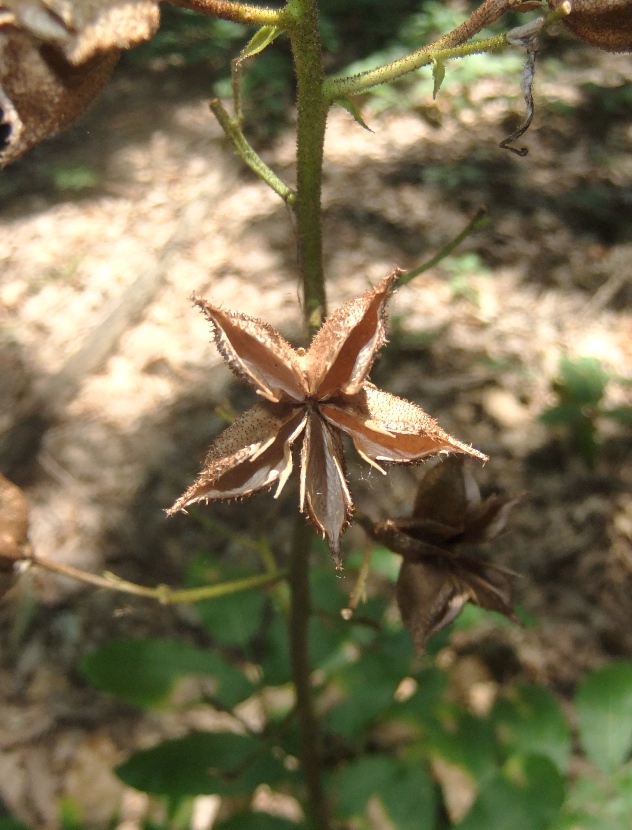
(606, 24)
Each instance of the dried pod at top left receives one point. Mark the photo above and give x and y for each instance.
(14, 525)
(54, 59)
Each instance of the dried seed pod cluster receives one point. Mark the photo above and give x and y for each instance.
(606, 24)
(435, 581)
(55, 56)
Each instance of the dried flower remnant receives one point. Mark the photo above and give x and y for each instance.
(435, 581)
(14, 524)
(526, 38)
(55, 56)
(315, 396)
(606, 24)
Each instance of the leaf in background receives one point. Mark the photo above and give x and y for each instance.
(143, 672)
(405, 791)
(622, 414)
(582, 380)
(470, 744)
(596, 804)
(201, 764)
(368, 685)
(604, 711)
(563, 414)
(531, 722)
(256, 821)
(233, 619)
(526, 795)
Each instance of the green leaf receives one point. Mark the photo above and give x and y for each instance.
(527, 794)
(597, 804)
(235, 618)
(12, 824)
(143, 672)
(533, 723)
(604, 711)
(275, 662)
(405, 791)
(470, 743)
(583, 380)
(438, 74)
(369, 685)
(202, 763)
(256, 821)
(563, 414)
(262, 38)
(354, 110)
(622, 414)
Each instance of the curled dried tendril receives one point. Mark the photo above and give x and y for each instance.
(526, 38)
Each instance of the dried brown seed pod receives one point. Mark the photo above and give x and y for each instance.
(55, 56)
(606, 24)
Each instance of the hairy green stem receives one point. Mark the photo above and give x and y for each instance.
(300, 610)
(341, 87)
(238, 12)
(245, 152)
(300, 18)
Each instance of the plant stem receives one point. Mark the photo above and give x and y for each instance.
(233, 131)
(478, 220)
(341, 87)
(163, 593)
(300, 18)
(300, 610)
(238, 12)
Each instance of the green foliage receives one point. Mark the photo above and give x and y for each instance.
(201, 763)
(144, 672)
(604, 710)
(516, 758)
(580, 388)
(526, 793)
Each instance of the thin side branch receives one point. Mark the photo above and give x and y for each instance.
(238, 12)
(342, 87)
(163, 593)
(245, 152)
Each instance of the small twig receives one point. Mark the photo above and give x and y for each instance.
(237, 12)
(358, 594)
(163, 593)
(232, 128)
(478, 220)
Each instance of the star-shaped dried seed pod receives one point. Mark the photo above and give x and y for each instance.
(14, 525)
(316, 396)
(435, 581)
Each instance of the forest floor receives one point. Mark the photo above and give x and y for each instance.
(108, 229)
